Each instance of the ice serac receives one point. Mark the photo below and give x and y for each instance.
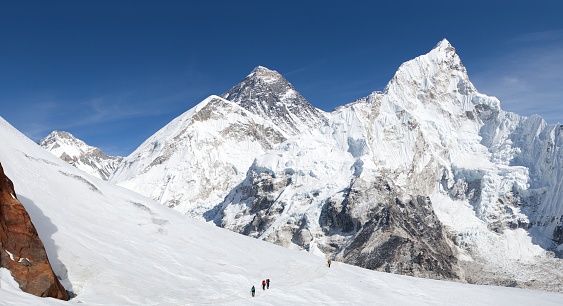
(21, 250)
(428, 178)
(77, 153)
(193, 162)
(267, 93)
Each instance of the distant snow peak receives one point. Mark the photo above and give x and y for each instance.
(62, 134)
(267, 93)
(77, 153)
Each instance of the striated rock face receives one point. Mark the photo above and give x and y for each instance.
(396, 234)
(374, 225)
(21, 250)
(268, 94)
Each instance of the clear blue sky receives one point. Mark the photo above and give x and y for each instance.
(114, 72)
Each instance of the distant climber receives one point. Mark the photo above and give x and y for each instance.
(253, 290)
(329, 262)
(263, 285)
(267, 283)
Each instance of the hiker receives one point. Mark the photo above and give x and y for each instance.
(267, 283)
(263, 285)
(253, 290)
(329, 262)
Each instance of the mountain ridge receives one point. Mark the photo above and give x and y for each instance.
(428, 145)
(111, 246)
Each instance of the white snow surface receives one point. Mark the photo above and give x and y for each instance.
(112, 246)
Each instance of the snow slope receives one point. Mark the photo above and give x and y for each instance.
(111, 246)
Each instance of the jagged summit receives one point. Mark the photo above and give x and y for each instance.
(268, 94)
(265, 74)
(444, 44)
(77, 153)
(437, 70)
(445, 52)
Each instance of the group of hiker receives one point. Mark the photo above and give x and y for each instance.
(266, 282)
(265, 285)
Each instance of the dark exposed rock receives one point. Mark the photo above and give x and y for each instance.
(558, 234)
(375, 226)
(21, 249)
(393, 234)
(268, 94)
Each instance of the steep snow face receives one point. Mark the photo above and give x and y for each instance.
(438, 144)
(539, 147)
(77, 153)
(192, 163)
(268, 94)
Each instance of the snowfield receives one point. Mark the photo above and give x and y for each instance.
(111, 246)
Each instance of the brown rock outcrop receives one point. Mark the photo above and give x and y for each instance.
(21, 250)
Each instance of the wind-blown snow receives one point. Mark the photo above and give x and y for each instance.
(111, 246)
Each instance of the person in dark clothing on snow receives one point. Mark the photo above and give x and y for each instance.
(253, 290)
(263, 285)
(267, 283)
(329, 262)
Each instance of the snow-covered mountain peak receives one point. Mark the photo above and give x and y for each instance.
(444, 46)
(438, 79)
(77, 153)
(441, 62)
(64, 143)
(268, 94)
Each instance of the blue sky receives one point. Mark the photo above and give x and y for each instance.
(114, 72)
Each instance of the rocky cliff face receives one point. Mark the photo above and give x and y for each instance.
(396, 234)
(21, 250)
(77, 153)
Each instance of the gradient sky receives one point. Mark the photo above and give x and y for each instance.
(114, 72)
